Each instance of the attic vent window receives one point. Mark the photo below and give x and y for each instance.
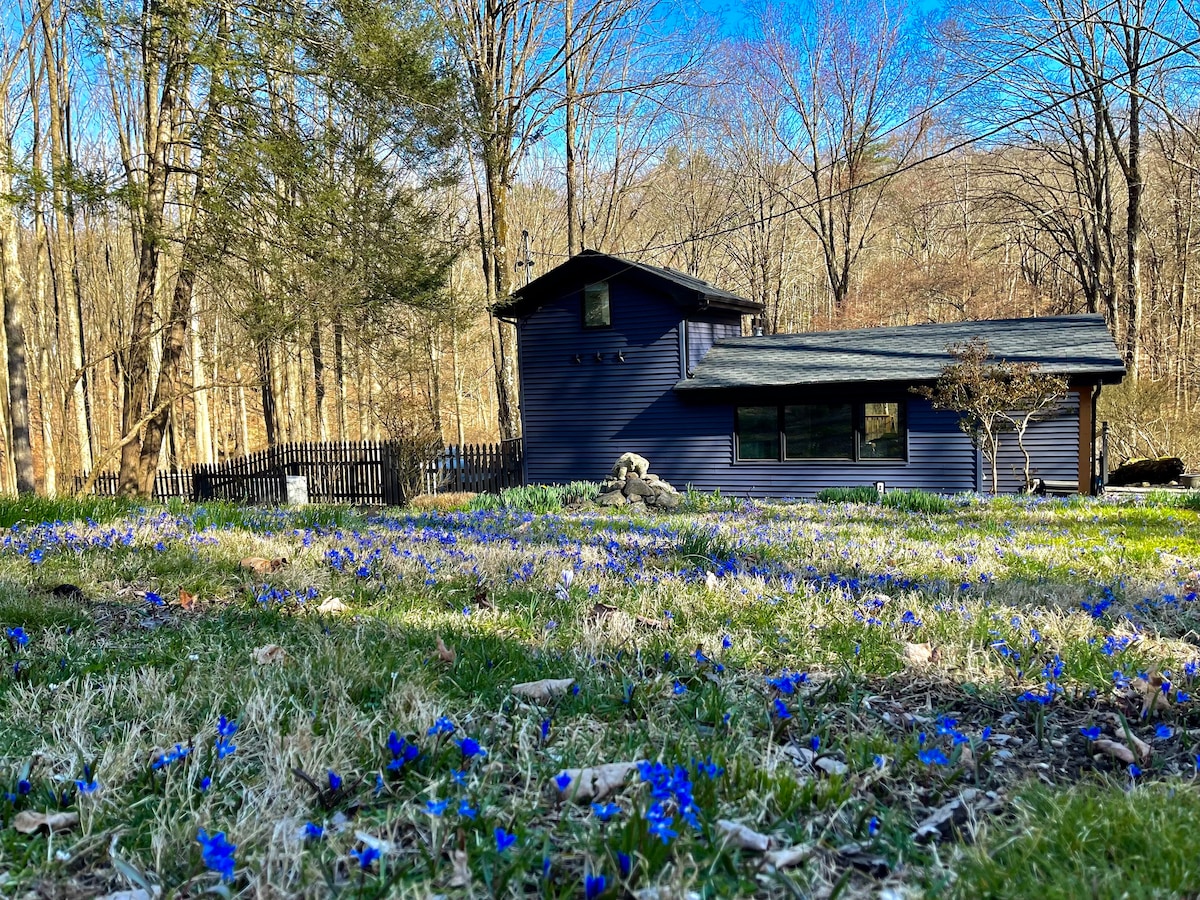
(596, 310)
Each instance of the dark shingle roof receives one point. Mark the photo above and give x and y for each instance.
(592, 265)
(1061, 345)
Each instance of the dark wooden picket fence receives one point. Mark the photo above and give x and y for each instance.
(367, 473)
(481, 469)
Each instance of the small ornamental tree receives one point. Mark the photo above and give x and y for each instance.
(991, 395)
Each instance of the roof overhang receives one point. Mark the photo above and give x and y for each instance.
(591, 266)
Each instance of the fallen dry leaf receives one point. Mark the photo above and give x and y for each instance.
(543, 691)
(186, 601)
(967, 758)
(269, 655)
(331, 605)
(738, 835)
(1115, 750)
(462, 870)
(970, 801)
(1150, 690)
(29, 822)
(861, 858)
(444, 653)
(373, 842)
(788, 857)
(831, 766)
(920, 654)
(262, 566)
(602, 611)
(596, 782)
(1135, 743)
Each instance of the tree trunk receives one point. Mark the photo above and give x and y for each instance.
(160, 135)
(339, 374)
(204, 419)
(41, 312)
(505, 341)
(70, 293)
(318, 361)
(569, 111)
(16, 312)
(266, 380)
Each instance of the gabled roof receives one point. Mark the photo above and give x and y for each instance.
(591, 266)
(1060, 345)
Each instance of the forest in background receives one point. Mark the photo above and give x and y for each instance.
(224, 225)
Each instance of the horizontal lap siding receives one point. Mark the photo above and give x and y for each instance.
(579, 417)
(703, 333)
(1053, 447)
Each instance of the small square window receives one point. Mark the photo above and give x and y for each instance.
(883, 431)
(596, 310)
(758, 432)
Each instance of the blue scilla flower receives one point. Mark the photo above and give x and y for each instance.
(466, 810)
(933, 756)
(470, 748)
(504, 840)
(170, 757)
(594, 886)
(441, 726)
(87, 784)
(605, 811)
(366, 856)
(226, 728)
(1092, 733)
(781, 710)
(153, 599)
(402, 751)
(335, 780)
(17, 636)
(660, 824)
(217, 853)
(562, 780)
(436, 807)
(313, 832)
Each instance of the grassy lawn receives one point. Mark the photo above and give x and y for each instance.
(937, 703)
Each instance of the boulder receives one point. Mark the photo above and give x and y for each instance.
(629, 462)
(612, 498)
(635, 487)
(667, 501)
(1154, 471)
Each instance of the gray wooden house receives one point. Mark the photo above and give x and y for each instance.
(619, 356)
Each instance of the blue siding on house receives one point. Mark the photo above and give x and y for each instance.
(1053, 446)
(579, 417)
(576, 415)
(702, 333)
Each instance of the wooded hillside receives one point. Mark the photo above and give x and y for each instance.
(225, 225)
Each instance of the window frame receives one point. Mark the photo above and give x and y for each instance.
(857, 434)
(583, 306)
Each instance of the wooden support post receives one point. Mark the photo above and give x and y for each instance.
(1085, 439)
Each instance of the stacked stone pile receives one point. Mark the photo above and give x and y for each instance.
(631, 483)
